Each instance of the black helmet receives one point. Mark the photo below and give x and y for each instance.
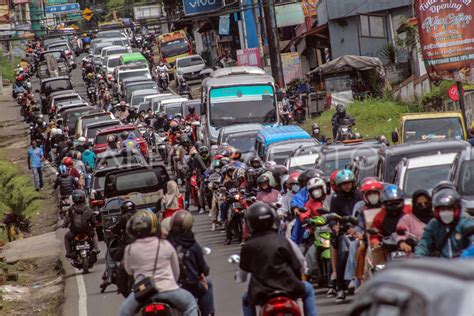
(78, 196)
(255, 162)
(278, 172)
(198, 144)
(127, 206)
(185, 140)
(263, 179)
(182, 221)
(447, 197)
(340, 109)
(124, 135)
(191, 109)
(443, 185)
(307, 175)
(261, 217)
(203, 152)
(143, 224)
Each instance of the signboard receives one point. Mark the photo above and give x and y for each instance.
(191, 7)
(21, 1)
(147, 12)
(248, 57)
(67, 7)
(310, 7)
(87, 14)
(48, 2)
(453, 92)
(224, 24)
(291, 64)
(289, 14)
(73, 16)
(446, 31)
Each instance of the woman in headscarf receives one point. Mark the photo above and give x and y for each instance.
(414, 224)
(172, 201)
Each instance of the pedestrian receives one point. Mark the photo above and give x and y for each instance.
(35, 163)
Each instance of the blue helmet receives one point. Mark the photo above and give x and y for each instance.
(62, 169)
(344, 176)
(391, 193)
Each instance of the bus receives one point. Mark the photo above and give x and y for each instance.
(172, 46)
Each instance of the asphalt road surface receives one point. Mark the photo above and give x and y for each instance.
(83, 295)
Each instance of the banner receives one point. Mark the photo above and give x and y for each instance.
(291, 64)
(310, 7)
(201, 6)
(224, 24)
(248, 57)
(289, 14)
(446, 29)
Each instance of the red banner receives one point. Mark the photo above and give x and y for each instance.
(446, 30)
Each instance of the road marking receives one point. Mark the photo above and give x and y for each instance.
(81, 290)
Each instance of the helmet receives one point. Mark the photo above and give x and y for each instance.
(78, 196)
(308, 174)
(443, 185)
(261, 217)
(111, 138)
(314, 125)
(127, 206)
(344, 176)
(332, 179)
(255, 162)
(185, 140)
(293, 177)
(340, 109)
(203, 152)
(263, 179)
(143, 224)
(217, 165)
(370, 184)
(447, 199)
(67, 161)
(124, 135)
(391, 193)
(81, 139)
(235, 153)
(62, 169)
(239, 173)
(317, 182)
(182, 221)
(223, 152)
(269, 165)
(191, 108)
(278, 172)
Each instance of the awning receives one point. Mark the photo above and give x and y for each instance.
(319, 31)
(349, 63)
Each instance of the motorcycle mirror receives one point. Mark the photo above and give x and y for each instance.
(323, 211)
(233, 258)
(395, 136)
(372, 231)
(206, 251)
(353, 220)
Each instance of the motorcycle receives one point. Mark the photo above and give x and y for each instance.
(64, 205)
(161, 145)
(91, 94)
(299, 113)
(185, 90)
(344, 131)
(197, 190)
(85, 257)
(236, 206)
(163, 80)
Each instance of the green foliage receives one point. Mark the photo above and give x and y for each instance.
(7, 68)
(374, 117)
(410, 36)
(434, 99)
(389, 53)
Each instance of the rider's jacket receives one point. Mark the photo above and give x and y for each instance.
(66, 184)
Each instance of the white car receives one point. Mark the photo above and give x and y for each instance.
(303, 163)
(191, 68)
(423, 172)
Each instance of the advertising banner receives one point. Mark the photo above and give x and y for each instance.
(147, 12)
(224, 24)
(310, 7)
(291, 63)
(201, 6)
(446, 29)
(248, 57)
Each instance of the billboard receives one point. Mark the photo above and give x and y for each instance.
(248, 57)
(191, 7)
(446, 29)
(291, 64)
(147, 12)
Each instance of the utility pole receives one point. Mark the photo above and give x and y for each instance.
(273, 42)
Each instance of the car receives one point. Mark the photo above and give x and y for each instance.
(91, 130)
(119, 158)
(46, 68)
(51, 85)
(280, 151)
(58, 98)
(128, 73)
(343, 155)
(389, 157)
(112, 50)
(186, 104)
(423, 172)
(64, 107)
(138, 96)
(130, 87)
(304, 162)
(100, 142)
(163, 103)
(66, 47)
(173, 108)
(110, 64)
(241, 136)
(462, 175)
(425, 286)
(84, 120)
(190, 68)
(70, 117)
(156, 101)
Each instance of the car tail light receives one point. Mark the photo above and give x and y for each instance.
(154, 308)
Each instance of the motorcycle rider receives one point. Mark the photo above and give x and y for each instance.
(162, 68)
(69, 163)
(198, 164)
(267, 194)
(338, 118)
(122, 113)
(139, 261)
(442, 236)
(194, 269)
(80, 220)
(183, 87)
(344, 201)
(274, 262)
(65, 182)
(192, 116)
(316, 133)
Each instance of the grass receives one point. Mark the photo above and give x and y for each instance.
(8, 68)
(374, 117)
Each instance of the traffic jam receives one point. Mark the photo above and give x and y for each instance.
(152, 149)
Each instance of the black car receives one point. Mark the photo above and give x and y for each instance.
(119, 158)
(51, 85)
(389, 157)
(462, 175)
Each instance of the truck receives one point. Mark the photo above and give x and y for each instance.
(427, 126)
(172, 46)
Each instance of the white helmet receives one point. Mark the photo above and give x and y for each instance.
(81, 139)
(56, 131)
(317, 182)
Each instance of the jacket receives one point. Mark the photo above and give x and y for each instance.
(436, 232)
(192, 261)
(312, 207)
(299, 200)
(66, 184)
(379, 223)
(88, 158)
(343, 203)
(273, 265)
(268, 197)
(413, 226)
(80, 219)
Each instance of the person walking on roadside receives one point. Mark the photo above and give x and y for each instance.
(35, 163)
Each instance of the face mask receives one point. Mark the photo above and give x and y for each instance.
(316, 194)
(373, 199)
(447, 217)
(295, 188)
(316, 131)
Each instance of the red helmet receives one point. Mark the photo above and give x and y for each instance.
(68, 161)
(370, 184)
(19, 78)
(293, 178)
(332, 179)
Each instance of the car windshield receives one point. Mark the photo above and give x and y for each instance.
(467, 178)
(62, 47)
(72, 117)
(244, 142)
(242, 104)
(98, 49)
(109, 34)
(143, 86)
(188, 62)
(114, 161)
(137, 180)
(130, 74)
(66, 99)
(174, 48)
(57, 85)
(94, 119)
(172, 109)
(330, 165)
(102, 138)
(116, 51)
(56, 55)
(425, 178)
(279, 153)
(92, 130)
(113, 62)
(197, 108)
(433, 129)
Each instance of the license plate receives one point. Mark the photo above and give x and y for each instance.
(237, 206)
(82, 247)
(161, 146)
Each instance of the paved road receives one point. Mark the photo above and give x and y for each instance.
(85, 288)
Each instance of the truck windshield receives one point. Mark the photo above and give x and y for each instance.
(174, 48)
(425, 177)
(433, 129)
(242, 104)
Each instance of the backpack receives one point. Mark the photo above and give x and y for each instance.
(183, 274)
(78, 223)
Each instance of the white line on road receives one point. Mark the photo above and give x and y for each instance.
(81, 290)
